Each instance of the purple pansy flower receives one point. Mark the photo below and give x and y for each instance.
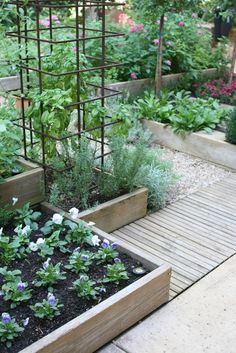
(6, 319)
(84, 257)
(116, 260)
(21, 286)
(105, 243)
(1, 294)
(114, 246)
(51, 299)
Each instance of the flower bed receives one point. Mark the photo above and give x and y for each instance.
(85, 267)
(219, 89)
(27, 186)
(114, 214)
(211, 147)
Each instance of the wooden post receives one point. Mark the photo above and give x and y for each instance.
(233, 63)
(158, 76)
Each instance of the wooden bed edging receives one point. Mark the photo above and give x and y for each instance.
(96, 327)
(9, 83)
(211, 147)
(27, 186)
(116, 213)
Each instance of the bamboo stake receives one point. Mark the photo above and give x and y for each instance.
(158, 75)
(233, 63)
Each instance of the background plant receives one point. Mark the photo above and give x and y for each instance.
(230, 134)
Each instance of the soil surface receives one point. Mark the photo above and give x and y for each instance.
(73, 305)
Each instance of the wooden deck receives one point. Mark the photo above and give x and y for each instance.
(193, 235)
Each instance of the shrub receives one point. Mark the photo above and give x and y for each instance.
(230, 134)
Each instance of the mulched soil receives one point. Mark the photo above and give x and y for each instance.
(73, 306)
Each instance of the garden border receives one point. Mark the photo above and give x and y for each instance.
(99, 325)
(27, 186)
(136, 87)
(210, 147)
(114, 214)
(9, 83)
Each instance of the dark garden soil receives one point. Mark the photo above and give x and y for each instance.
(73, 305)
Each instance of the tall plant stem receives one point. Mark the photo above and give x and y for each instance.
(158, 75)
(233, 63)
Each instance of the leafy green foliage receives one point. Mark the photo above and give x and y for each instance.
(230, 134)
(84, 288)
(16, 297)
(80, 261)
(9, 331)
(9, 139)
(116, 273)
(27, 216)
(47, 310)
(49, 275)
(183, 113)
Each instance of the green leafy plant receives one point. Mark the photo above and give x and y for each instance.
(10, 276)
(16, 293)
(85, 288)
(49, 275)
(47, 309)
(7, 250)
(107, 252)
(9, 329)
(27, 216)
(80, 234)
(116, 273)
(80, 261)
(230, 134)
(9, 139)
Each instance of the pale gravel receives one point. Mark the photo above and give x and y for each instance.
(194, 173)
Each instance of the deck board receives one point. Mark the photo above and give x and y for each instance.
(194, 235)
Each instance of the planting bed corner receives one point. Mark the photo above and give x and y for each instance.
(97, 326)
(211, 147)
(27, 186)
(9, 83)
(116, 213)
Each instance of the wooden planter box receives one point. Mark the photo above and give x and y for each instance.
(91, 330)
(136, 87)
(9, 83)
(211, 147)
(27, 186)
(116, 213)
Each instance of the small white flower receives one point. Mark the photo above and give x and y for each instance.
(57, 218)
(33, 246)
(95, 240)
(74, 212)
(26, 230)
(91, 224)
(46, 263)
(40, 241)
(1, 231)
(26, 322)
(14, 200)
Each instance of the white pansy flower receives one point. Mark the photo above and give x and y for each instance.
(91, 224)
(26, 322)
(26, 230)
(57, 218)
(40, 241)
(74, 212)
(33, 246)
(95, 240)
(1, 231)
(14, 200)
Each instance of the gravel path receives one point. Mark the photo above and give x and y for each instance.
(194, 173)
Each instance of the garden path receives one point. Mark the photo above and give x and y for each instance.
(194, 235)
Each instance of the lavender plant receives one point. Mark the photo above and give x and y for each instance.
(47, 308)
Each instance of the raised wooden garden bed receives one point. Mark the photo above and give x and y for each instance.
(137, 87)
(27, 186)
(211, 147)
(9, 83)
(103, 322)
(116, 213)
